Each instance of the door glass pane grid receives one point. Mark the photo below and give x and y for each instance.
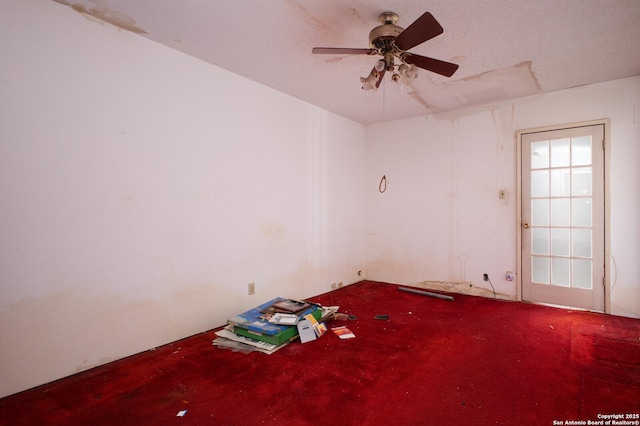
(561, 212)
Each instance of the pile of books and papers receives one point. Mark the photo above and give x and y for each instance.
(273, 325)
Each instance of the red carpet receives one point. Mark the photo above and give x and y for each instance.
(433, 362)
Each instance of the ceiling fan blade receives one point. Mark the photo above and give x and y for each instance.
(424, 28)
(434, 65)
(342, 51)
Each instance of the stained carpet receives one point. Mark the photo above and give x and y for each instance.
(432, 362)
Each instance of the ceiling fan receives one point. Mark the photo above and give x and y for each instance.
(392, 42)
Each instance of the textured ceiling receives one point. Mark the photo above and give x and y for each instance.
(505, 48)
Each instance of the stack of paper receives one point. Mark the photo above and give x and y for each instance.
(273, 325)
(229, 340)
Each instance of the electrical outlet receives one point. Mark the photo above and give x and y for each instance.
(340, 284)
(485, 277)
(252, 288)
(509, 275)
(334, 286)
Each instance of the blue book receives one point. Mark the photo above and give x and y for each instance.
(256, 320)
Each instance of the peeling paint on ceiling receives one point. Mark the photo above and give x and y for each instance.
(505, 49)
(495, 85)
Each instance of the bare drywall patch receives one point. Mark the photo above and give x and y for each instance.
(495, 85)
(499, 73)
(102, 13)
(482, 89)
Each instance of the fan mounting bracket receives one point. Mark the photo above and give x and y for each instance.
(389, 18)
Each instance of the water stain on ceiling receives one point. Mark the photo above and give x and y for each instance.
(504, 51)
(102, 12)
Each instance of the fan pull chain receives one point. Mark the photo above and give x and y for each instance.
(382, 186)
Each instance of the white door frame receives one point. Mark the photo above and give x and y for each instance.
(607, 240)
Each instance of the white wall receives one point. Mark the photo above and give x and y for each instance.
(440, 223)
(141, 191)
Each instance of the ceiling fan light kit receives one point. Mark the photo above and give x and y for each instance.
(392, 42)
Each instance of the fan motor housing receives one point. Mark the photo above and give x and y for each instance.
(382, 36)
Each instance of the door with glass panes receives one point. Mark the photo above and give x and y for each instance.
(562, 220)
